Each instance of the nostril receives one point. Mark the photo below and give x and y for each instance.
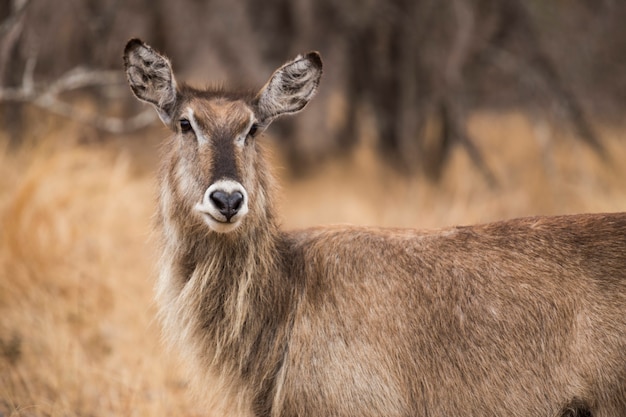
(228, 204)
(235, 200)
(219, 199)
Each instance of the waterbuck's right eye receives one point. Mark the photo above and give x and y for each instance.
(185, 126)
(253, 130)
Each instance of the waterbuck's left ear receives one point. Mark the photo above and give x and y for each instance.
(150, 78)
(290, 88)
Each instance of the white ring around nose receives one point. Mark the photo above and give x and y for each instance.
(212, 215)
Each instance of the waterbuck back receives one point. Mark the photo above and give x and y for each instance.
(523, 317)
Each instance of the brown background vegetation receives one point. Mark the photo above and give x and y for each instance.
(430, 113)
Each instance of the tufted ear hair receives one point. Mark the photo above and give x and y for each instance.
(151, 78)
(290, 88)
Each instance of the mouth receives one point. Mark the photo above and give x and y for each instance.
(216, 224)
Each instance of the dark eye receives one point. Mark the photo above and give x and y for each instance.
(253, 130)
(185, 126)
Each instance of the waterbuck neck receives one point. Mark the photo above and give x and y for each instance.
(219, 278)
(230, 286)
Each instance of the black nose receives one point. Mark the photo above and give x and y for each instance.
(227, 203)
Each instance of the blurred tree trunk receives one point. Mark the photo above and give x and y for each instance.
(418, 68)
(11, 63)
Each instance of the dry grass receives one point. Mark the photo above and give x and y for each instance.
(539, 172)
(77, 330)
(77, 333)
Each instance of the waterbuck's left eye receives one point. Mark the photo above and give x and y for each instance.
(253, 130)
(185, 126)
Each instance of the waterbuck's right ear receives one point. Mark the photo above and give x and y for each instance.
(290, 88)
(150, 78)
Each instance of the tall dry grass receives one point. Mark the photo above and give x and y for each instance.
(77, 329)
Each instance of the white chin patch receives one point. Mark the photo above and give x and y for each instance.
(216, 217)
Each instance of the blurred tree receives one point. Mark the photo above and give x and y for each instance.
(417, 68)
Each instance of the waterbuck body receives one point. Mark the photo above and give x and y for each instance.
(525, 317)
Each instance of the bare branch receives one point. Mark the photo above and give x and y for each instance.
(108, 124)
(80, 78)
(47, 98)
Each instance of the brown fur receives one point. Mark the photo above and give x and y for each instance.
(525, 317)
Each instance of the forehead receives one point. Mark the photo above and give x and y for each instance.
(219, 113)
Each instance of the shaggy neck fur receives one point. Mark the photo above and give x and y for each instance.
(223, 298)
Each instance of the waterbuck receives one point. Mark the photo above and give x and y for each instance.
(524, 317)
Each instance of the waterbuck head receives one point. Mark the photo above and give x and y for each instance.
(214, 150)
